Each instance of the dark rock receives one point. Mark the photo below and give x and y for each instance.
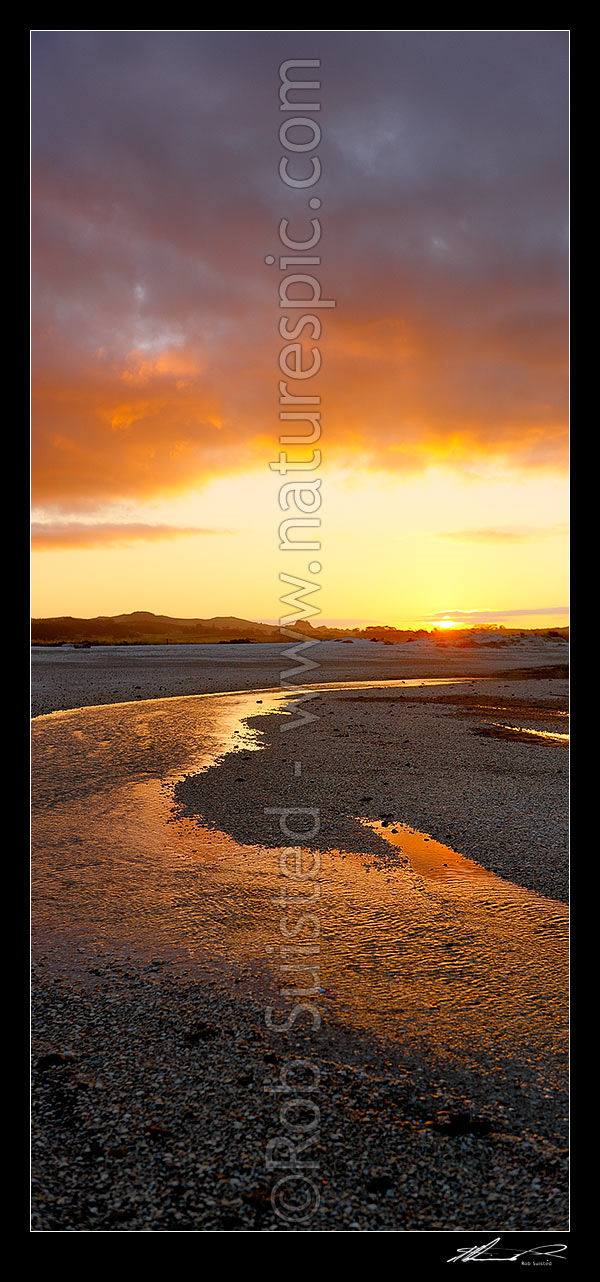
(158, 1134)
(55, 1059)
(379, 1184)
(199, 1032)
(464, 1124)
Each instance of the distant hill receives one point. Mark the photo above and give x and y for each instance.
(143, 628)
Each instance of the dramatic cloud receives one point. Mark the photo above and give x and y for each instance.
(156, 198)
(81, 534)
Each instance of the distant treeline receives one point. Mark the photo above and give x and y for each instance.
(142, 628)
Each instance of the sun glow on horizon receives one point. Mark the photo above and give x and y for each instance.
(395, 547)
(447, 623)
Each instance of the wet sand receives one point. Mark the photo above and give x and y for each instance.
(442, 1040)
(416, 756)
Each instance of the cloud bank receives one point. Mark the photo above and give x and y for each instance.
(156, 198)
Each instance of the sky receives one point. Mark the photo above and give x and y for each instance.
(443, 381)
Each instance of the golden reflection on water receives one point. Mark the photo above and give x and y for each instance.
(432, 946)
(528, 732)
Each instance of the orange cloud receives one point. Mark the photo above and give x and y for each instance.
(180, 362)
(394, 394)
(80, 534)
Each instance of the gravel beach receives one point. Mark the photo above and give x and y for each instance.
(63, 677)
(157, 1083)
(154, 1109)
(421, 758)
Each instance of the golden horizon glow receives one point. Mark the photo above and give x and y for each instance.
(395, 551)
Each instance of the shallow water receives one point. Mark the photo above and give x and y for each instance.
(434, 947)
(531, 732)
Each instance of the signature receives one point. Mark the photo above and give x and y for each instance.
(491, 1251)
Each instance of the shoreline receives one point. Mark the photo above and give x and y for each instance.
(153, 1103)
(63, 680)
(415, 756)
